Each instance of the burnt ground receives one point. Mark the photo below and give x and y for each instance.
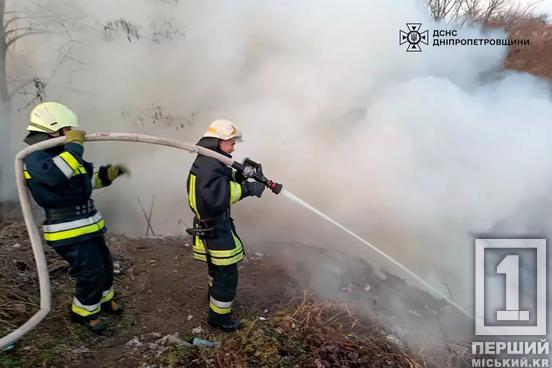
(165, 294)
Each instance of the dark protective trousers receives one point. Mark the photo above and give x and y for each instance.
(91, 264)
(223, 284)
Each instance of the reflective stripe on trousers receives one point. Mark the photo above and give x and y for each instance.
(84, 310)
(199, 250)
(107, 295)
(218, 257)
(227, 257)
(220, 307)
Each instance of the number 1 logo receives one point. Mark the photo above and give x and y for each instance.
(508, 321)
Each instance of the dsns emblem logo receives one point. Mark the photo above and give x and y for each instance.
(413, 37)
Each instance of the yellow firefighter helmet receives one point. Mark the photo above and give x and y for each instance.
(223, 129)
(49, 117)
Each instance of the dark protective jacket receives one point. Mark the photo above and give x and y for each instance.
(61, 182)
(212, 188)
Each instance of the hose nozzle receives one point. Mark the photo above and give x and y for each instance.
(276, 188)
(254, 170)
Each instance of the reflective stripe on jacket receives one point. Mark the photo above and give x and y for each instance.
(211, 192)
(59, 178)
(74, 228)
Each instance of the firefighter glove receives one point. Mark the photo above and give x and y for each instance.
(254, 188)
(114, 171)
(75, 136)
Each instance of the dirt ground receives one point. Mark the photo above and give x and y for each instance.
(164, 292)
(162, 288)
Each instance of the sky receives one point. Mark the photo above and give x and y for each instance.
(545, 6)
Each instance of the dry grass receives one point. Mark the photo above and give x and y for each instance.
(305, 333)
(56, 339)
(535, 58)
(18, 279)
(19, 298)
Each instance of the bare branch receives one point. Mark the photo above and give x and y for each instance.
(484, 12)
(39, 93)
(27, 29)
(165, 30)
(19, 88)
(13, 19)
(11, 41)
(42, 20)
(40, 6)
(40, 84)
(148, 219)
(35, 31)
(131, 30)
(21, 12)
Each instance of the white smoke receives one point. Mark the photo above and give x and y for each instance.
(416, 152)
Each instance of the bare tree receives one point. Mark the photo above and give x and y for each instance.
(478, 11)
(154, 116)
(38, 19)
(20, 24)
(443, 9)
(16, 25)
(4, 94)
(163, 30)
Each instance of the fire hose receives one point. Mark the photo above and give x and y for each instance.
(249, 168)
(252, 169)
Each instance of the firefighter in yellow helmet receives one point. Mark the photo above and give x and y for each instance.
(212, 188)
(61, 182)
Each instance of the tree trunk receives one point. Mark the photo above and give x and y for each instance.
(4, 93)
(6, 154)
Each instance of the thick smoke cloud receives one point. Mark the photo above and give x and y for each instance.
(417, 153)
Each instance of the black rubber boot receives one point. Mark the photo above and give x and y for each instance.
(93, 325)
(112, 308)
(230, 325)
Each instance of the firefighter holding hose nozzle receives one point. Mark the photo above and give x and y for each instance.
(61, 182)
(213, 188)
